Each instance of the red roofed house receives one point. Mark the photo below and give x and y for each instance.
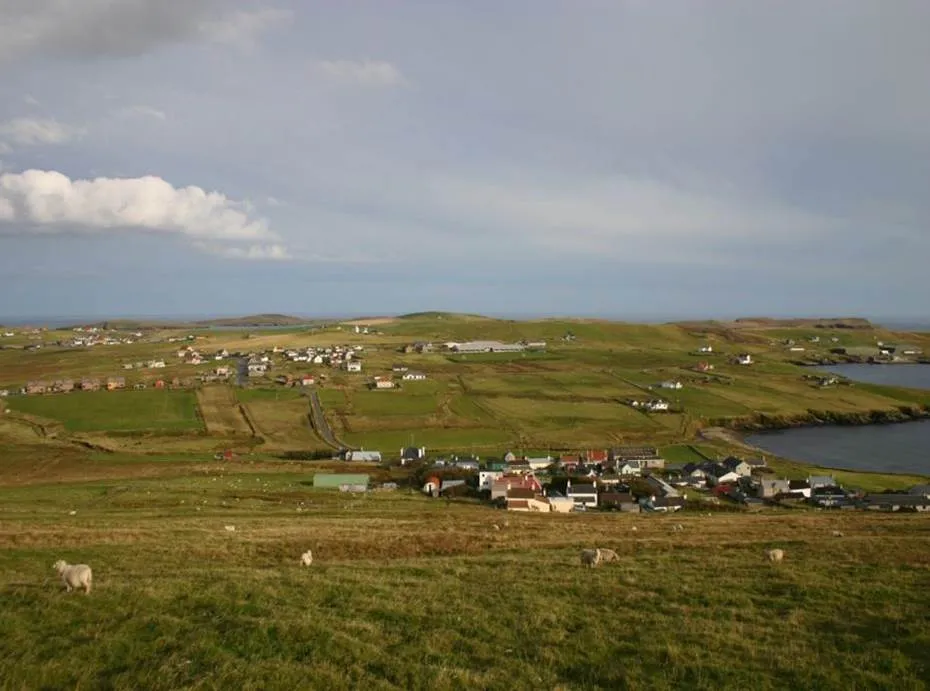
(597, 456)
(501, 485)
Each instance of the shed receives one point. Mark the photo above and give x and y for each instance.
(336, 480)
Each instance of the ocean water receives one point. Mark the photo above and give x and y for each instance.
(900, 448)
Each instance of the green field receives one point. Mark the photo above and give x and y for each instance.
(406, 592)
(115, 411)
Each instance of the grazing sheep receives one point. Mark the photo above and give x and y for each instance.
(306, 559)
(634, 528)
(837, 533)
(495, 526)
(608, 555)
(75, 575)
(230, 528)
(775, 555)
(590, 557)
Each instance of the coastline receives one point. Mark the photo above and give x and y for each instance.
(761, 422)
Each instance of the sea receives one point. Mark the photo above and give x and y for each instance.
(896, 448)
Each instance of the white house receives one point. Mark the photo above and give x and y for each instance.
(706, 349)
(486, 478)
(354, 366)
(583, 496)
(414, 376)
(744, 359)
(364, 456)
(671, 384)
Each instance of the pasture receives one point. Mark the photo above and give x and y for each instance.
(420, 594)
(115, 411)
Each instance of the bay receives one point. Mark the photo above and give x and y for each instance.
(899, 448)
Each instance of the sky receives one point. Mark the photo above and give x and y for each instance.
(624, 158)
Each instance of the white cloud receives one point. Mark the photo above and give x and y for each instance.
(370, 73)
(242, 29)
(37, 132)
(142, 112)
(255, 252)
(40, 201)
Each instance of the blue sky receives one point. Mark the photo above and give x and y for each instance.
(523, 157)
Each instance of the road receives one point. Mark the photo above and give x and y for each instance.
(320, 425)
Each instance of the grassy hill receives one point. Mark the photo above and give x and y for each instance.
(414, 593)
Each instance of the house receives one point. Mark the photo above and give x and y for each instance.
(583, 495)
(920, 491)
(527, 500)
(537, 462)
(597, 456)
(382, 383)
(487, 477)
(694, 475)
(631, 467)
(816, 481)
(671, 384)
(619, 501)
(718, 474)
(569, 461)
(37, 387)
(114, 383)
(772, 487)
(353, 366)
(362, 456)
(413, 376)
(704, 367)
(467, 464)
(156, 364)
(307, 380)
(828, 496)
(649, 456)
(800, 488)
(706, 349)
(399, 368)
(895, 502)
(502, 484)
(88, 384)
(412, 454)
(744, 359)
(738, 466)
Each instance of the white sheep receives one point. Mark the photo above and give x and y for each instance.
(608, 555)
(775, 555)
(590, 558)
(230, 528)
(306, 559)
(75, 575)
(837, 533)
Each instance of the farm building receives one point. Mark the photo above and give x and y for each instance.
(339, 480)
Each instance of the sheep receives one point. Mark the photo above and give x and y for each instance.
(608, 555)
(837, 533)
(306, 559)
(74, 575)
(230, 528)
(590, 557)
(775, 555)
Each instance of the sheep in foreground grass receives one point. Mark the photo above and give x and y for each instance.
(837, 533)
(306, 559)
(775, 555)
(75, 575)
(593, 557)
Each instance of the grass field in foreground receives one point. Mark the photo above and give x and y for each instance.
(115, 411)
(412, 593)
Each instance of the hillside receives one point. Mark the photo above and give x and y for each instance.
(256, 320)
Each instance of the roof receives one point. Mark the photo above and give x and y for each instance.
(518, 503)
(617, 497)
(634, 452)
(521, 493)
(582, 489)
(596, 455)
(336, 479)
(798, 484)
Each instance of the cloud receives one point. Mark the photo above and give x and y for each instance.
(241, 29)
(37, 132)
(368, 73)
(253, 252)
(43, 202)
(95, 28)
(142, 112)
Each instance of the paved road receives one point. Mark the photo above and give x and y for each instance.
(320, 425)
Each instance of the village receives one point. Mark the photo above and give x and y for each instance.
(626, 479)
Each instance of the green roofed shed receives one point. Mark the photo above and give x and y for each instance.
(336, 480)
